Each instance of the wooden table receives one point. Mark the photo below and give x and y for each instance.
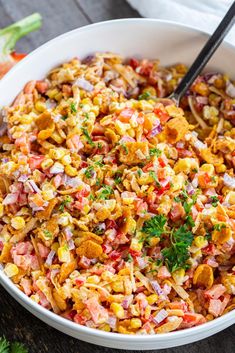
(15, 322)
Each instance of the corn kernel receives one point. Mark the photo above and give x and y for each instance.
(178, 276)
(208, 168)
(118, 310)
(11, 270)
(71, 171)
(152, 299)
(66, 160)
(200, 242)
(124, 271)
(93, 279)
(118, 286)
(1, 209)
(56, 153)
(136, 245)
(64, 219)
(40, 106)
(47, 163)
(18, 222)
(64, 254)
(231, 197)
(185, 165)
(105, 327)
(135, 323)
(55, 247)
(221, 168)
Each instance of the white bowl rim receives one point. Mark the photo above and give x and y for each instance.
(17, 293)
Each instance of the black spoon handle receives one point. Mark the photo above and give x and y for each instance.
(205, 54)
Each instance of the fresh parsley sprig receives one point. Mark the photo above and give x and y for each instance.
(154, 227)
(177, 254)
(15, 347)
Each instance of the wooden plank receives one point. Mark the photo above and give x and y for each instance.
(106, 9)
(59, 16)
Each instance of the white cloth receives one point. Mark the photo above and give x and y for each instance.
(202, 14)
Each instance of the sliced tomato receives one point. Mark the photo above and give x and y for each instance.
(163, 116)
(18, 56)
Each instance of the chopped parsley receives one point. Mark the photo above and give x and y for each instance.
(15, 347)
(89, 172)
(118, 177)
(91, 197)
(155, 152)
(154, 227)
(47, 234)
(154, 176)
(88, 137)
(214, 201)
(65, 203)
(146, 95)
(129, 258)
(139, 172)
(73, 108)
(64, 117)
(99, 146)
(99, 163)
(106, 191)
(124, 147)
(219, 226)
(177, 254)
(98, 182)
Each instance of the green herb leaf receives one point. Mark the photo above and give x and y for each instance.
(73, 108)
(155, 152)
(215, 200)
(177, 254)
(106, 191)
(146, 95)
(11, 34)
(4, 345)
(129, 258)
(89, 172)
(47, 234)
(124, 147)
(65, 203)
(154, 227)
(154, 176)
(64, 117)
(88, 137)
(219, 226)
(17, 347)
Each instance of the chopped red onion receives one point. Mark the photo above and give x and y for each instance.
(180, 144)
(195, 182)
(126, 139)
(161, 315)
(71, 244)
(155, 131)
(230, 90)
(142, 263)
(50, 104)
(34, 186)
(190, 189)
(200, 145)
(68, 233)
(23, 178)
(84, 84)
(127, 301)
(202, 100)
(229, 181)
(10, 199)
(5, 160)
(112, 321)
(50, 257)
(156, 287)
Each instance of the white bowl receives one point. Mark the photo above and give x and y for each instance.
(171, 43)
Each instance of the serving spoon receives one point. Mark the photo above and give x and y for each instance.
(205, 54)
